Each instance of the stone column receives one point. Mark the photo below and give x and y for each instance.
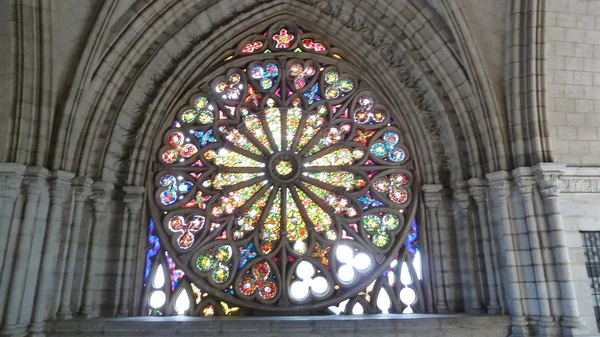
(478, 190)
(466, 244)
(11, 176)
(100, 198)
(547, 175)
(81, 193)
(134, 196)
(433, 196)
(35, 184)
(500, 191)
(526, 183)
(60, 187)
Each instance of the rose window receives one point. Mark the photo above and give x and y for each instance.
(286, 186)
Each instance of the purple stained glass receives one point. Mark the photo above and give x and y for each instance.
(369, 202)
(176, 274)
(154, 243)
(412, 237)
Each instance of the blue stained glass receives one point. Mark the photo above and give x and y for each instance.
(154, 243)
(313, 94)
(369, 202)
(205, 137)
(185, 186)
(246, 254)
(387, 147)
(411, 238)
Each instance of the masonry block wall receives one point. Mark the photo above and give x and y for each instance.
(573, 80)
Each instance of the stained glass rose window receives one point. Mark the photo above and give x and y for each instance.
(287, 182)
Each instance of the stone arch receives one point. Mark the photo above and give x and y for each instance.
(436, 86)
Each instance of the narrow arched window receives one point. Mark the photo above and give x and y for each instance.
(284, 187)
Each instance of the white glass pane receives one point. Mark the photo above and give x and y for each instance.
(417, 264)
(405, 275)
(305, 270)
(182, 303)
(362, 262)
(346, 274)
(358, 309)
(319, 286)
(159, 277)
(299, 290)
(383, 301)
(408, 296)
(157, 299)
(344, 254)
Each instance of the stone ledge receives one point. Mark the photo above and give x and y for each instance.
(349, 326)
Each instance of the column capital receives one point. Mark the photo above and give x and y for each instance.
(432, 195)
(478, 189)
(60, 185)
(35, 180)
(499, 184)
(524, 179)
(460, 193)
(11, 177)
(133, 198)
(82, 187)
(547, 176)
(101, 195)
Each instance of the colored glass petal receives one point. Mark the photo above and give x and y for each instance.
(272, 226)
(292, 123)
(339, 157)
(295, 226)
(343, 179)
(254, 125)
(235, 199)
(320, 219)
(273, 117)
(312, 125)
(248, 220)
(230, 158)
(229, 179)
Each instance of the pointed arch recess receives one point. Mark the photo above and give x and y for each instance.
(282, 184)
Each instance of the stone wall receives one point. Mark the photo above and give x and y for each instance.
(573, 80)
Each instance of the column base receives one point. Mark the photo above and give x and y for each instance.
(494, 309)
(37, 330)
(573, 322)
(13, 330)
(519, 327)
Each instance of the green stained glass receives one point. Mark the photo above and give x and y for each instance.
(241, 141)
(292, 122)
(273, 118)
(339, 203)
(312, 125)
(338, 157)
(216, 261)
(228, 179)
(343, 179)
(320, 219)
(230, 202)
(272, 225)
(332, 136)
(378, 226)
(254, 125)
(295, 226)
(228, 158)
(248, 220)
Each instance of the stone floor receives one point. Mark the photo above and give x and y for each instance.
(330, 326)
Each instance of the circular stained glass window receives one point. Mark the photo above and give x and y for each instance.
(286, 186)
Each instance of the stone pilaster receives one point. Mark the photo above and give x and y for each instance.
(526, 183)
(35, 184)
(466, 245)
(60, 192)
(500, 192)
(433, 196)
(82, 189)
(478, 189)
(101, 196)
(11, 177)
(134, 196)
(547, 177)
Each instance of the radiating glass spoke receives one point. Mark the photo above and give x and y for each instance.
(248, 220)
(229, 179)
(254, 125)
(228, 158)
(320, 219)
(241, 141)
(339, 157)
(330, 137)
(230, 202)
(292, 123)
(343, 179)
(273, 117)
(272, 226)
(338, 203)
(295, 226)
(312, 125)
